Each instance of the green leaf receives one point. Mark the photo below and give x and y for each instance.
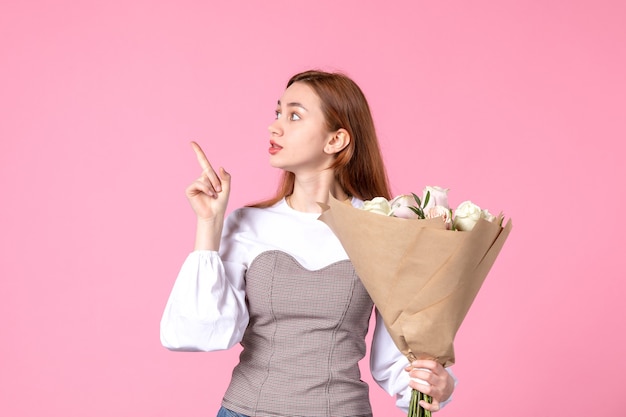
(427, 198)
(452, 227)
(417, 210)
(417, 200)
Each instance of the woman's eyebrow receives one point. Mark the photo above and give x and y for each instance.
(293, 104)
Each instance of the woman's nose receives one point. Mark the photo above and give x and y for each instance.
(275, 128)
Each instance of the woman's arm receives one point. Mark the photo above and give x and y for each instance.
(390, 369)
(206, 309)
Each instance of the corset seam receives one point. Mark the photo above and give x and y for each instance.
(334, 344)
(275, 323)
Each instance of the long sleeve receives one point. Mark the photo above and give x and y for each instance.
(387, 365)
(206, 309)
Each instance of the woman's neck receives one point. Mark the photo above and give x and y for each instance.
(308, 192)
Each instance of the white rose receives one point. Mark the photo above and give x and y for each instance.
(440, 211)
(378, 205)
(487, 216)
(438, 197)
(466, 215)
(400, 207)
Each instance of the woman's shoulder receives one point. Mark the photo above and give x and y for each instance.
(276, 214)
(253, 211)
(247, 217)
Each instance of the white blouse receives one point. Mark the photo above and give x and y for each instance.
(206, 310)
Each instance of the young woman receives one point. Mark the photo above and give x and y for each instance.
(275, 279)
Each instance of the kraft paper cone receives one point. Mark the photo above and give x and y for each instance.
(421, 277)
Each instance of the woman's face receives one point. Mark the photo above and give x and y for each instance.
(298, 136)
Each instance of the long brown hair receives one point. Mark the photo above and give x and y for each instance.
(359, 167)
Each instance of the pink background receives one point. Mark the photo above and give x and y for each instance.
(519, 106)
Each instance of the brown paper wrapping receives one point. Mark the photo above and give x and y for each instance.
(422, 278)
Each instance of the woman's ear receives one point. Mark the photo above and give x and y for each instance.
(337, 142)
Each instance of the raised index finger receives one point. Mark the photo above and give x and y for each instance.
(202, 159)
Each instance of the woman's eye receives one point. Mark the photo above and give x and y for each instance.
(277, 113)
(294, 116)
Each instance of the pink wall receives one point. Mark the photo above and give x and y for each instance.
(519, 106)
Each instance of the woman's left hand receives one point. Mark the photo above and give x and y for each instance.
(440, 382)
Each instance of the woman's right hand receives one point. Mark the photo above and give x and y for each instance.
(208, 195)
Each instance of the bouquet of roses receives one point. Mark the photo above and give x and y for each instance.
(422, 263)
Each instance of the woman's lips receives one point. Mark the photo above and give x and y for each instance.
(274, 148)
